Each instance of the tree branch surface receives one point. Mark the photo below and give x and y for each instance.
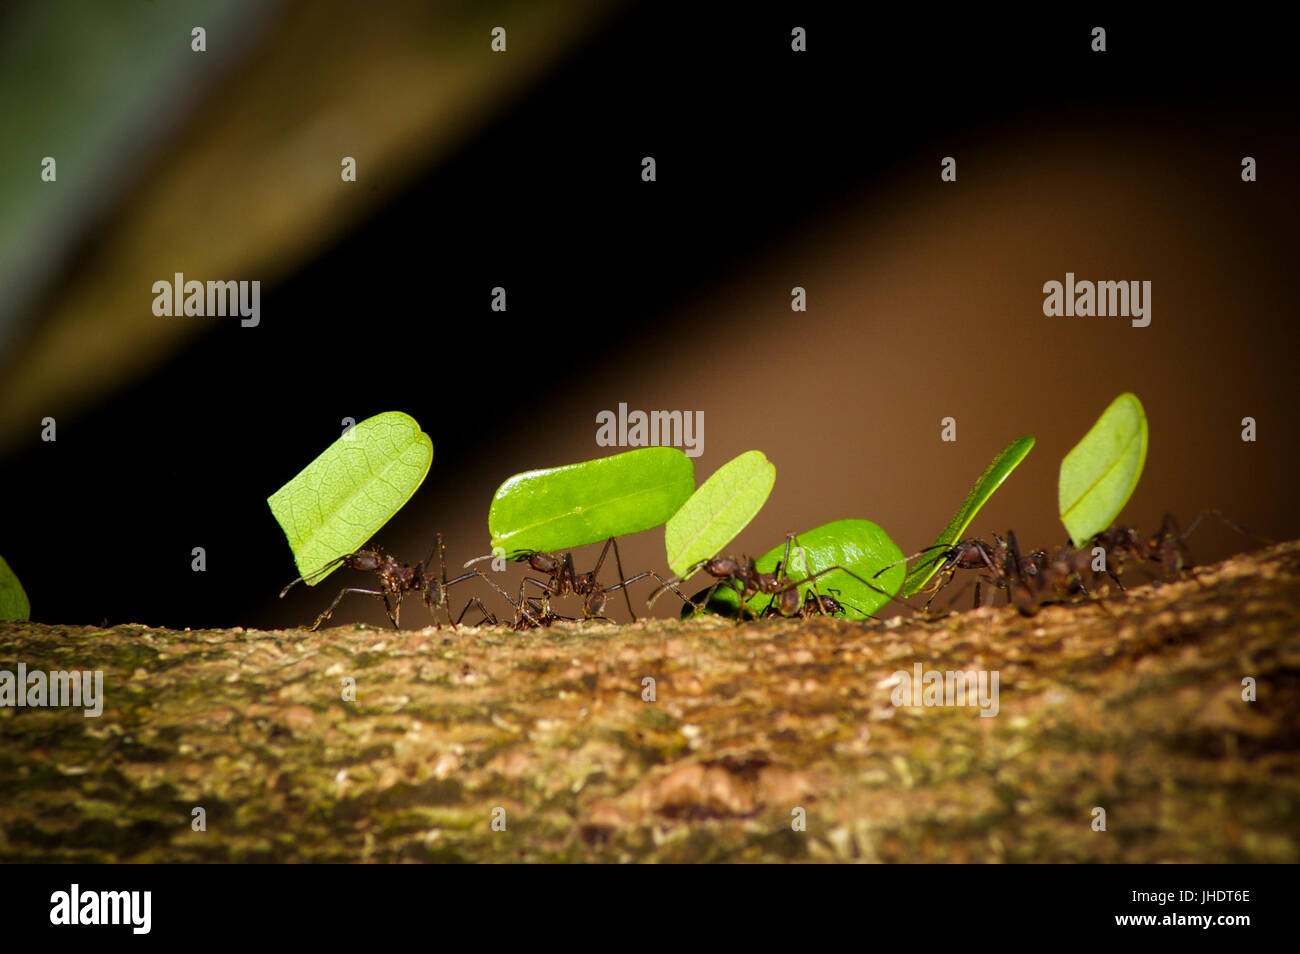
(1133, 704)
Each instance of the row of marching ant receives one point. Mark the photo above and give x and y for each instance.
(1030, 580)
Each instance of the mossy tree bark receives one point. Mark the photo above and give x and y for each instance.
(1135, 706)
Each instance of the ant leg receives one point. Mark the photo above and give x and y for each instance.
(667, 585)
(344, 592)
(1225, 520)
(446, 599)
(867, 583)
(618, 563)
(442, 576)
(945, 579)
(521, 607)
(489, 618)
(977, 595)
(437, 548)
(742, 606)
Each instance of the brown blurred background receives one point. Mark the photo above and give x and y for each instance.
(522, 169)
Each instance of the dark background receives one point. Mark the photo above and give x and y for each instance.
(775, 169)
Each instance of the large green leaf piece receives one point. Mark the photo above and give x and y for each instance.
(346, 494)
(565, 507)
(722, 507)
(1100, 474)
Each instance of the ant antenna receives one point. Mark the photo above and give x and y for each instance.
(315, 574)
(1223, 519)
(908, 559)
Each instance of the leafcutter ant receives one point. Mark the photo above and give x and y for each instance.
(396, 580)
(1167, 546)
(970, 554)
(562, 579)
(743, 577)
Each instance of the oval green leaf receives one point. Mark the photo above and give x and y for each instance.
(14, 605)
(857, 545)
(566, 507)
(1100, 474)
(720, 509)
(989, 481)
(346, 494)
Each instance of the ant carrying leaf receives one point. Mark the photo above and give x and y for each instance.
(564, 580)
(1101, 472)
(997, 471)
(396, 580)
(840, 555)
(343, 497)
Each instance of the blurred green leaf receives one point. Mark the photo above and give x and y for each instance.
(720, 509)
(346, 494)
(989, 481)
(1100, 474)
(565, 507)
(13, 600)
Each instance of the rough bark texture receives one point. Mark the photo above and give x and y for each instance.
(1135, 707)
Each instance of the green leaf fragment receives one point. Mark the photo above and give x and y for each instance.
(998, 471)
(346, 494)
(565, 507)
(1100, 474)
(13, 600)
(859, 546)
(722, 507)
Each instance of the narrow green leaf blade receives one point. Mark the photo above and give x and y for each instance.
(720, 509)
(998, 471)
(13, 600)
(565, 507)
(857, 545)
(346, 494)
(1100, 474)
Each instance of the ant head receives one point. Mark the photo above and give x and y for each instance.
(542, 562)
(722, 566)
(367, 561)
(829, 604)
